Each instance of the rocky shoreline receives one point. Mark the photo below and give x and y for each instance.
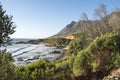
(59, 50)
(114, 75)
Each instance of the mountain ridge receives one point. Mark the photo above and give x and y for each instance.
(65, 31)
(76, 27)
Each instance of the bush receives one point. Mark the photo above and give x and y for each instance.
(6, 66)
(82, 64)
(57, 41)
(102, 54)
(78, 44)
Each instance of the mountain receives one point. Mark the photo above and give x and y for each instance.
(76, 27)
(65, 31)
(73, 27)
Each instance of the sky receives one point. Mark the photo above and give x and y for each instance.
(44, 18)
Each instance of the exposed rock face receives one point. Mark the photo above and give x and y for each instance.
(70, 37)
(114, 75)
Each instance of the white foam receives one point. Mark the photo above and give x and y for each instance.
(27, 53)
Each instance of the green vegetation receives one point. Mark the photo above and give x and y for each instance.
(89, 57)
(77, 44)
(98, 58)
(44, 70)
(57, 41)
(102, 54)
(6, 27)
(6, 66)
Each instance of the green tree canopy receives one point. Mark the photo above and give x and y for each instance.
(7, 27)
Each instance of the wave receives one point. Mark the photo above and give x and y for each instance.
(26, 51)
(20, 49)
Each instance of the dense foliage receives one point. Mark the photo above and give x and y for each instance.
(97, 59)
(57, 41)
(77, 44)
(44, 70)
(90, 57)
(6, 66)
(102, 54)
(6, 27)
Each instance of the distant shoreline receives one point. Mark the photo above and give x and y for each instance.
(20, 39)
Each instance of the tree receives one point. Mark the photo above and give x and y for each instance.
(101, 13)
(100, 25)
(90, 27)
(77, 44)
(7, 27)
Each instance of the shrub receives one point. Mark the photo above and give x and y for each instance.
(102, 54)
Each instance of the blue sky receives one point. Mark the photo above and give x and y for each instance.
(44, 18)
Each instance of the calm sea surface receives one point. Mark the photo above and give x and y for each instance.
(20, 39)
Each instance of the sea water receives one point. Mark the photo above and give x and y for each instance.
(24, 54)
(21, 39)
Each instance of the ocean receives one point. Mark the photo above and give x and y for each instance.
(24, 54)
(21, 39)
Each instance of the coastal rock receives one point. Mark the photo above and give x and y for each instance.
(56, 52)
(20, 59)
(114, 75)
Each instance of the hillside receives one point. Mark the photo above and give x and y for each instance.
(77, 27)
(65, 31)
(73, 27)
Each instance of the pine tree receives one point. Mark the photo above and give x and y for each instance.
(7, 27)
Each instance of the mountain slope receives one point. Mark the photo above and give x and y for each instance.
(76, 27)
(73, 27)
(65, 31)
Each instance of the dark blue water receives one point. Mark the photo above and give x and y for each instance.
(20, 39)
